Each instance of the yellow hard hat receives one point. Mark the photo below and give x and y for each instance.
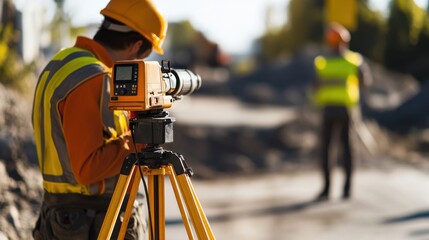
(142, 17)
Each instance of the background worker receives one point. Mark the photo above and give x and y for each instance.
(340, 75)
(81, 144)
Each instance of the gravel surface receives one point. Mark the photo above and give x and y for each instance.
(390, 201)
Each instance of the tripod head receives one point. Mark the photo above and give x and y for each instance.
(155, 127)
(152, 127)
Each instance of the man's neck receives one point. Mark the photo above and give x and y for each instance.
(116, 55)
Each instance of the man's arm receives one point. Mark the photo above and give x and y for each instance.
(365, 75)
(91, 159)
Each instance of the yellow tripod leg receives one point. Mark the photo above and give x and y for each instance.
(198, 205)
(130, 204)
(199, 219)
(179, 200)
(156, 189)
(115, 205)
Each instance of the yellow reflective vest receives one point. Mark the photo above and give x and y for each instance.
(66, 71)
(338, 80)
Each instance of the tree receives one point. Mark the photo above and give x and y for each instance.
(61, 27)
(305, 25)
(407, 39)
(368, 38)
(12, 69)
(190, 47)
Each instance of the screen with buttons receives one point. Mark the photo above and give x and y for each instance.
(125, 79)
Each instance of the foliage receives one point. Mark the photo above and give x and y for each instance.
(182, 41)
(183, 35)
(4, 42)
(273, 45)
(407, 39)
(13, 71)
(399, 41)
(306, 23)
(190, 47)
(368, 38)
(61, 27)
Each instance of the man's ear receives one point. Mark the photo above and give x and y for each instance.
(136, 46)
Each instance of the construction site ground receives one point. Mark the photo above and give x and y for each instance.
(389, 201)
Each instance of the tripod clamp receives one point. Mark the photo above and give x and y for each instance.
(154, 158)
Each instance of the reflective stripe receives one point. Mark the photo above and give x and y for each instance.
(63, 187)
(106, 114)
(110, 122)
(118, 120)
(57, 93)
(50, 105)
(338, 80)
(68, 69)
(38, 122)
(333, 82)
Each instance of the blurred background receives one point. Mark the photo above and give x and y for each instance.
(250, 133)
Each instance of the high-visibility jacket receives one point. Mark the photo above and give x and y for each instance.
(79, 141)
(338, 80)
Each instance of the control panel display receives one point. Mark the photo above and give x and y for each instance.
(125, 80)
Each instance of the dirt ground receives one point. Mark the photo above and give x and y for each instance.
(389, 201)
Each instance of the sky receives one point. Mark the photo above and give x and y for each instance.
(234, 24)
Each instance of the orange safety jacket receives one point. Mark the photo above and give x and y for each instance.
(81, 144)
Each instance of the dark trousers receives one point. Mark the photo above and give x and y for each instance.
(73, 216)
(336, 120)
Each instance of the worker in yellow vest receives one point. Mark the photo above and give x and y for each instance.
(340, 75)
(81, 144)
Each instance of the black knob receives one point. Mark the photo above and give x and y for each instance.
(122, 91)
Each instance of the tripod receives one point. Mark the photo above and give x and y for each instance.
(153, 129)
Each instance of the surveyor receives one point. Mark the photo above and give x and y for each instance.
(341, 74)
(81, 144)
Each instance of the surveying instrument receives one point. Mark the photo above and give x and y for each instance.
(146, 89)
